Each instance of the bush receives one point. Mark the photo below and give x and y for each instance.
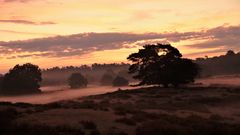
(120, 81)
(77, 80)
(22, 79)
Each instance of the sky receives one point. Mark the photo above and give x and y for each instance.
(74, 32)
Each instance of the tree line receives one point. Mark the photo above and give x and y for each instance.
(220, 65)
(155, 64)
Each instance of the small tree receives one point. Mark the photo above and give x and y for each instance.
(22, 79)
(230, 53)
(163, 65)
(120, 81)
(77, 80)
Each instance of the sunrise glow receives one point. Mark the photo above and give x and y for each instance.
(74, 32)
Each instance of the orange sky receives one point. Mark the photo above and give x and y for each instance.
(24, 20)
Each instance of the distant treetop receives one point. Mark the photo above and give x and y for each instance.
(77, 80)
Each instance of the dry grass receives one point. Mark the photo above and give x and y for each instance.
(146, 111)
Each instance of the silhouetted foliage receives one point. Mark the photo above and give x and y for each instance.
(7, 115)
(163, 65)
(220, 65)
(22, 79)
(93, 73)
(77, 80)
(1, 81)
(230, 52)
(120, 81)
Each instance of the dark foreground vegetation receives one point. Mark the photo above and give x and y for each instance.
(146, 111)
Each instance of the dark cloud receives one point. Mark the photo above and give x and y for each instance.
(27, 22)
(223, 37)
(78, 44)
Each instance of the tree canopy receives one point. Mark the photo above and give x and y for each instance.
(22, 79)
(77, 80)
(162, 64)
(120, 81)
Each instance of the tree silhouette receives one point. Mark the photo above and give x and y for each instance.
(227, 64)
(120, 81)
(162, 65)
(22, 79)
(230, 53)
(77, 80)
(1, 81)
(107, 78)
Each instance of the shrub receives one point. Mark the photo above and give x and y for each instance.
(77, 80)
(120, 81)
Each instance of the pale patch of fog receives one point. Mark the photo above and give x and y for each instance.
(58, 93)
(221, 80)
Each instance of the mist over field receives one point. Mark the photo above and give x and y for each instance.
(58, 93)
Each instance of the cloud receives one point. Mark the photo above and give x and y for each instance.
(202, 53)
(27, 22)
(25, 33)
(223, 37)
(220, 37)
(22, 1)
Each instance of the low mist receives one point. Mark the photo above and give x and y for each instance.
(55, 93)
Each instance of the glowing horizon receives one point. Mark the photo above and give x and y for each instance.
(104, 31)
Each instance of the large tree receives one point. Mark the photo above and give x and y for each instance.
(162, 64)
(22, 79)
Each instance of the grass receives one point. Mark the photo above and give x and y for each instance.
(115, 131)
(9, 127)
(88, 125)
(126, 121)
(148, 111)
(172, 125)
